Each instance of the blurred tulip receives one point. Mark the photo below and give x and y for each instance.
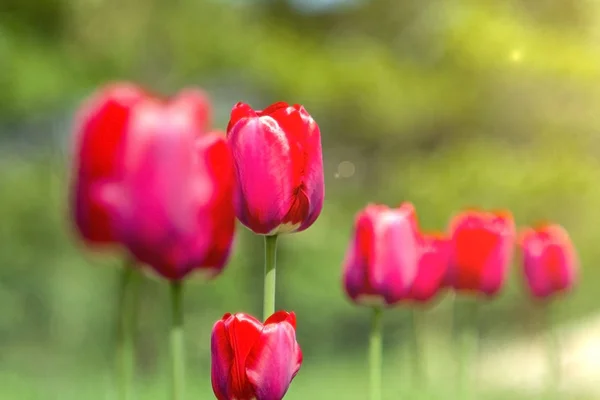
(100, 131)
(279, 165)
(549, 260)
(173, 202)
(382, 259)
(433, 265)
(254, 361)
(480, 251)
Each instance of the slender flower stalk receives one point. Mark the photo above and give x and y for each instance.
(126, 312)
(176, 337)
(270, 276)
(418, 361)
(553, 360)
(466, 319)
(376, 352)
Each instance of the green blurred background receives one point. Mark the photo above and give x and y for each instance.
(445, 103)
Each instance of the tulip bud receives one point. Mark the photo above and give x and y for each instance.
(550, 261)
(173, 204)
(251, 360)
(382, 259)
(481, 251)
(279, 166)
(433, 265)
(100, 132)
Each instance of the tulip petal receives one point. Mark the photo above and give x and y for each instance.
(244, 332)
(274, 361)
(395, 257)
(281, 316)
(433, 264)
(265, 184)
(239, 111)
(358, 257)
(496, 269)
(100, 131)
(221, 359)
(314, 180)
(219, 216)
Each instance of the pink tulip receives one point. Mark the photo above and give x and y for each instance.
(173, 201)
(481, 251)
(550, 261)
(252, 361)
(382, 259)
(279, 166)
(433, 265)
(100, 131)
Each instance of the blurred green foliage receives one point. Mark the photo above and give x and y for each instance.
(443, 103)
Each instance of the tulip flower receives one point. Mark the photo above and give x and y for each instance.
(251, 360)
(101, 126)
(171, 202)
(480, 252)
(481, 248)
(550, 264)
(382, 259)
(434, 257)
(279, 168)
(380, 267)
(549, 260)
(101, 129)
(279, 165)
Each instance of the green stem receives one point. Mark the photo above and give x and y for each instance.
(466, 320)
(126, 312)
(418, 356)
(552, 353)
(375, 352)
(176, 337)
(270, 270)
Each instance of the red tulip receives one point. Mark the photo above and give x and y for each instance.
(100, 131)
(549, 260)
(173, 204)
(254, 361)
(481, 251)
(279, 165)
(382, 259)
(433, 265)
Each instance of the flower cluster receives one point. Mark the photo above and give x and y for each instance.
(390, 260)
(152, 178)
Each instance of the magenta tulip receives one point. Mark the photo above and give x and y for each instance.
(434, 257)
(173, 202)
(481, 251)
(279, 165)
(382, 259)
(550, 261)
(251, 360)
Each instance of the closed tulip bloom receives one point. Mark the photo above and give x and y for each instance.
(382, 259)
(279, 166)
(550, 261)
(434, 257)
(100, 132)
(481, 251)
(251, 360)
(173, 203)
